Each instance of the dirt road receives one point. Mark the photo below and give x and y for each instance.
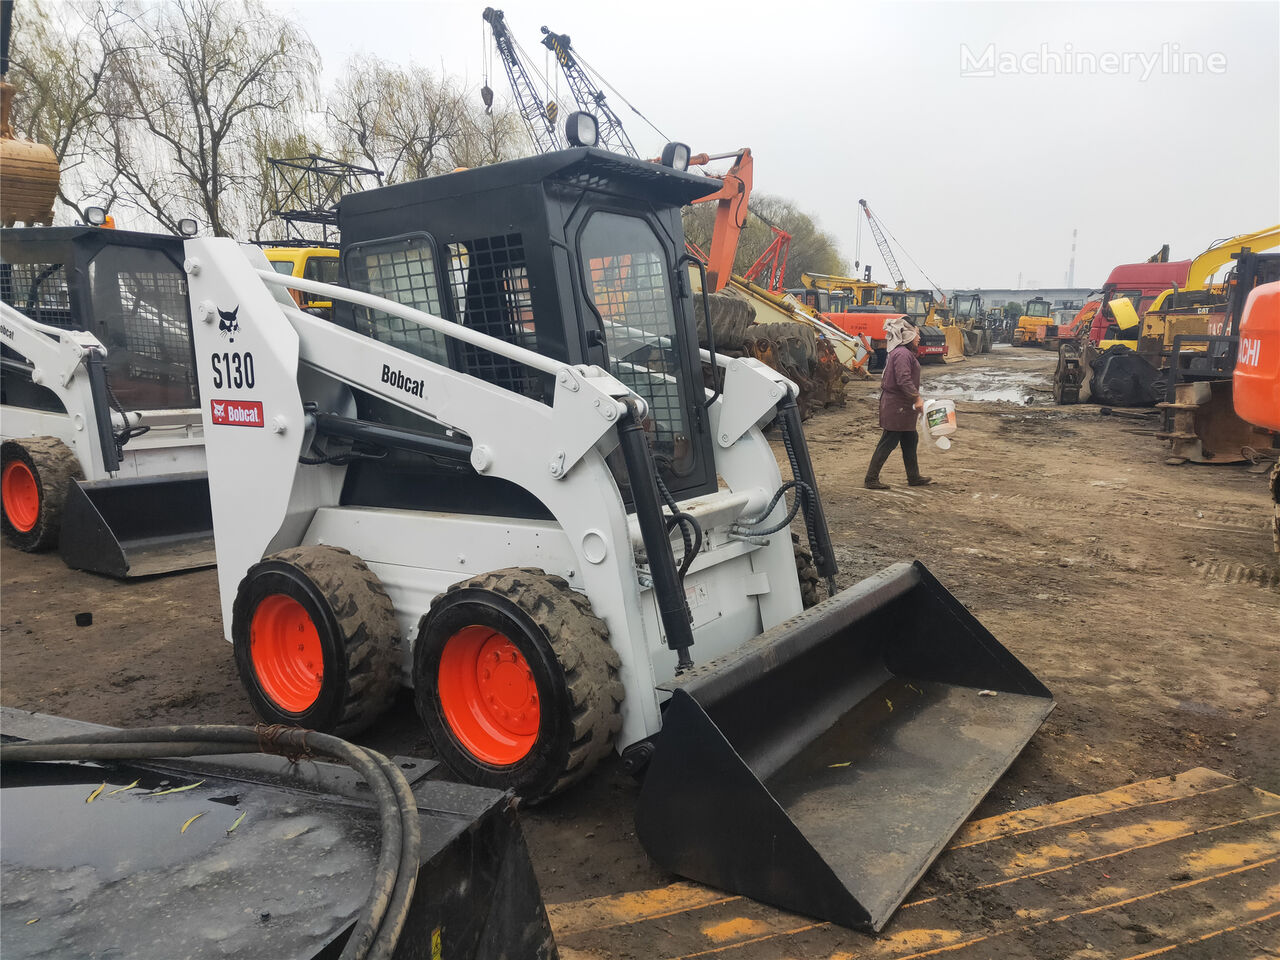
(1145, 596)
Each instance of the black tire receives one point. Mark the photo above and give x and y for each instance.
(807, 572)
(571, 665)
(356, 628)
(54, 468)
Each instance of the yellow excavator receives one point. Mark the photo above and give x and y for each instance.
(828, 293)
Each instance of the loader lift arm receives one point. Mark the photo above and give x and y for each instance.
(70, 364)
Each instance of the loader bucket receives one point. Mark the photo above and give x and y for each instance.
(823, 767)
(138, 527)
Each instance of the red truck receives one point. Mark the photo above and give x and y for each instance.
(1141, 283)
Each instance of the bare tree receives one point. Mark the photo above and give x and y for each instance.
(488, 138)
(354, 113)
(408, 123)
(214, 73)
(64, 65)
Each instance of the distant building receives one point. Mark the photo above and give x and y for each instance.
(1057, 296)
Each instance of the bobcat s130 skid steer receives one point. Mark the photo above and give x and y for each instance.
(496, 475)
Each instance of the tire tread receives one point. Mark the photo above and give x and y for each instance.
(56, 468)
(367, 624)
(580, 641)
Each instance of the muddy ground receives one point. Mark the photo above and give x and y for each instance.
(1146, 596)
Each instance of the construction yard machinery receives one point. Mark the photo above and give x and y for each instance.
(969, 316)
(1033, 323)
(496, 475)
(1197, 307)
(749, 321)
(833, 294)
(103, 440)
(302, 259)
(217, 841)
(1256, 378)
(1201, 421)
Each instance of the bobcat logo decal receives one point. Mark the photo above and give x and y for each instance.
(219, 410)
(228, 326)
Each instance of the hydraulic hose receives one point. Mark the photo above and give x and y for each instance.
(382, 920)
(686, 522)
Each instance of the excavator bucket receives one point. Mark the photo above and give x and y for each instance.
(824, 766)
(1204, 426)
(138, 527)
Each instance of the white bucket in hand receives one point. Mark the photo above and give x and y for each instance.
(940, 418)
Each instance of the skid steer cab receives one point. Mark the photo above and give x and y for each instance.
(496, 475)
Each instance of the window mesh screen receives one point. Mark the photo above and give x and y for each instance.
(630, 291)
(403, 271)
(627, 273)
(141, 314)
(155, 313)
(490, 284)
(39, 290)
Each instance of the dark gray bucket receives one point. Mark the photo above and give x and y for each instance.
(824, 766)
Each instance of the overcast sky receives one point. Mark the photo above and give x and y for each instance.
(1157, 123)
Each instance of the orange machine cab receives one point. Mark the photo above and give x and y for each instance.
(1257, 373)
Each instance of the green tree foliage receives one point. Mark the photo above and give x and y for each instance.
(1012, 311)
(812, 249)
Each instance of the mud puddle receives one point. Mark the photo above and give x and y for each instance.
(990, 385)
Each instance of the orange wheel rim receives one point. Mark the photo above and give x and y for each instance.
(488, 695)
(284, 646)
(21, 496)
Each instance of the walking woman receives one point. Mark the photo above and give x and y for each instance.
(900, 403)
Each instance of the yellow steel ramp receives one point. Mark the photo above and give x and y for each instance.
(1181, 867)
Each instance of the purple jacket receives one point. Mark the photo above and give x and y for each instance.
(899, 387)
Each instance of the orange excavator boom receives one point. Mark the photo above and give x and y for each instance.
(731, 214)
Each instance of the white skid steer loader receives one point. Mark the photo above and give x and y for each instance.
(103, 441)
(496, 475)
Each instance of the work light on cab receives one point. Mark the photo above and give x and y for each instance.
(582, 129)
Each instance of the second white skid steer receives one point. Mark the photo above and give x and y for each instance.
(497, 476)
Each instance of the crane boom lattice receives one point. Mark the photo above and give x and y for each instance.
(539, 117)
(588, 94)
(889, 261)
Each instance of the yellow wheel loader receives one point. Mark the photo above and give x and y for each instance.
(1033, 324)
(496, 476)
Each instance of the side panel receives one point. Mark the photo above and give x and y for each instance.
(253, 423)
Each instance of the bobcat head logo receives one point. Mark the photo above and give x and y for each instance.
(219, 409)
(228, 326)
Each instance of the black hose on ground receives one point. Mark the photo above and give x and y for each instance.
(381, 922)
